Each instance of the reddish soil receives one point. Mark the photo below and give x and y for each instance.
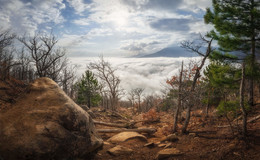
(211, 141)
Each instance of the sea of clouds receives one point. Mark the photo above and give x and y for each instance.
(147, 73)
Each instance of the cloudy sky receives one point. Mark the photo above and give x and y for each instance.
(108, 27)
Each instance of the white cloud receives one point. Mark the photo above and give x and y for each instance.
(79, 6)
(108, 26)
(196, 6)
(148, 73)
(27, 16)
(132, 26)
(82, 21)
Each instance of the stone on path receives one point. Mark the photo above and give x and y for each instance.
(124, 136)
(150, 144)
(119, 150)
(169, 152)
(171, 138)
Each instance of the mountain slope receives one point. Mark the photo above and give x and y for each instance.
(171, 52)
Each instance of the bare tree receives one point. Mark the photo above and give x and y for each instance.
(242, 90)
(24, 70)
(67, 80)
(138, 93)
(179, 100)
(194, 47)
(48, 59)
(6, 53)
(106, 73)
(131, 97)
(6, 39)
(150, 101)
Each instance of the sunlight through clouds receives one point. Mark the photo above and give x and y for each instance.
(109, 27)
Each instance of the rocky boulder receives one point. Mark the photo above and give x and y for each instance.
(45, 123)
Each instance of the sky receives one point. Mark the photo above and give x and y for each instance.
(119, 28)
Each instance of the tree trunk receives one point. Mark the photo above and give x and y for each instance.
(242, 88)
(179, 101)
(197, 75)
(208, 104)
(191, 101)
(89, 101)
(252, 63)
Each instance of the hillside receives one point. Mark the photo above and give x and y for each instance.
(208, 137)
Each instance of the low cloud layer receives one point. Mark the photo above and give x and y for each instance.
(148, 73)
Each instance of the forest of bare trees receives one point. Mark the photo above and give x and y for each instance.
(36, 56)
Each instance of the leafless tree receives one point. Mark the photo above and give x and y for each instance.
(149, 101)
(242, 90)
(6, 39)
(176, 114)
(49, 60)
(196, 48)
(6, 53)
(23, 70)
(138, 94)
(131, 97)
(67, 80)
(107, 75)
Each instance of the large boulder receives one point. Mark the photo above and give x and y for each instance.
(45, 123)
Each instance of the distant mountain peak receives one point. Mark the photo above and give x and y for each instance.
(175, 51)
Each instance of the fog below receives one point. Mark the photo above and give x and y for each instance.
(147, 73)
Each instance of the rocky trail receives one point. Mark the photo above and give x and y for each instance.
(42, 122)
(207, 139)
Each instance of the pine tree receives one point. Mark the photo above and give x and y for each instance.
(237, 30)
(87, 88)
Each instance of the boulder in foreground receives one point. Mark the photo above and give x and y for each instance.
(45, 123)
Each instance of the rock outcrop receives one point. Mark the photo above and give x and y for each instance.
(45, 123)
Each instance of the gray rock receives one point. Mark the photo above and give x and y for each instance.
(46, 124)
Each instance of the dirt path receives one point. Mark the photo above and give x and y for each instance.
(205, 141)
